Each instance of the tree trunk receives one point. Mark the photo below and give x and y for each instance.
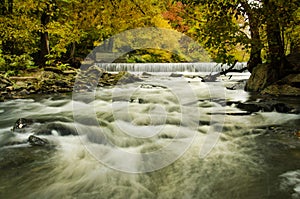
(44, 38)
(255, 54)
(10, 6)
(276, 56)
(275, 43)
(72, 51)
(256, 46)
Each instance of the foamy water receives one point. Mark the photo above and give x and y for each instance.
(168, 141)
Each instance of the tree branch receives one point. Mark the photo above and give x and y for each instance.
(212, 78)
(139, 7)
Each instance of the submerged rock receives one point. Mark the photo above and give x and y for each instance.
(137, 100)
(267, 106)
(21, 124)
(24, 125)
(151, 86)
(145, 74)
(56, 129)
(250, 107)
(282, 108)
(43, 128)
(36, 141)
(176, 75)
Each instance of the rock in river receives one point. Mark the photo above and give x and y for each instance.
(36, 141)
(21, 124)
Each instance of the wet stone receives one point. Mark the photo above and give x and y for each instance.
(22, 123)
(36, 141)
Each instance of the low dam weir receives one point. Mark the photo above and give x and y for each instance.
(169, 67)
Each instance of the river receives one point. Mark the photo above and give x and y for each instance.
(165, 137)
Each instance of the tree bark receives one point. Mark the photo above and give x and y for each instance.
(275, 43)
(72, 51)
(255, 54)
(10, 6)
(44, 37)
(276, 56)
(256, 46)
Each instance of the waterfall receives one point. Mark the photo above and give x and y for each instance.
(168, 67)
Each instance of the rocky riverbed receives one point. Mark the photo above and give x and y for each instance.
(256, 151)
(52, 80)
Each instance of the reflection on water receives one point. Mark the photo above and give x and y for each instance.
(255, 156)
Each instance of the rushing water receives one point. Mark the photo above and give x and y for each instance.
(245, 161)
(174, 67)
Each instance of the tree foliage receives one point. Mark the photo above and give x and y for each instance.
(223, 26)
(51, 32)
(56, 31)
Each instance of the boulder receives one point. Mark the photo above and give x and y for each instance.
(285, 80)
(282, 90)
(261, 77)
(36, 141)
(124, 77)
(288, 86)
(211, 77)
(22, 123)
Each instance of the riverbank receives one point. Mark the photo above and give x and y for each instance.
(50, 80)
(268, 79)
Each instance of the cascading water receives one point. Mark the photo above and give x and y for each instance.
(165, 67)
(244, 162)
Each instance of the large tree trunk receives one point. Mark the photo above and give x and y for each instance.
(267, 74)
(276, 56)
(255, 54)
(275, 43)
(44, 37)
(10, 6)
(256, 46)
